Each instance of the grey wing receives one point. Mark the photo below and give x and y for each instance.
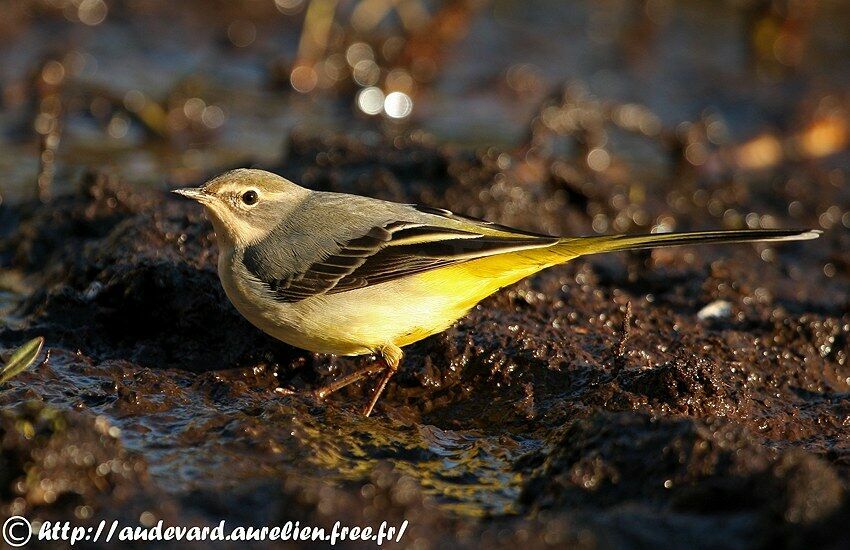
(397, 249)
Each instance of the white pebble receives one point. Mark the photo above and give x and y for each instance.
(718, 309)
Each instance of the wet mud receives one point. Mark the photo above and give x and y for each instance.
(597, 404)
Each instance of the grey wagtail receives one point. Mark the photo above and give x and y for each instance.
(351, 275)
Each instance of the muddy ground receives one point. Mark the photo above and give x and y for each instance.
(589, 405)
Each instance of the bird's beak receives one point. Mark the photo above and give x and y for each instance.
(194, 193)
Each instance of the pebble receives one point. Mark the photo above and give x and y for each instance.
(718, 309)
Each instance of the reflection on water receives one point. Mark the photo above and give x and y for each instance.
(468, 472)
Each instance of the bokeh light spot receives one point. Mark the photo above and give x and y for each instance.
(398, 105)
(598, 159)
(92, 12)
(213, 117)
(366, 72)
(303, 78)
(289, 7)
(242, 33)
(370, 100)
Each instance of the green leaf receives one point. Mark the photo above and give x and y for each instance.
(23, 357)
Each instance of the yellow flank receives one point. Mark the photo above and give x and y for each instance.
(466, 284)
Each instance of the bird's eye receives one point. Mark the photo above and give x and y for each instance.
(250, 197)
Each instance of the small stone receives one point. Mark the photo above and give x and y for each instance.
(718, 309)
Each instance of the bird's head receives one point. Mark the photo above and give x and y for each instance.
(245, 204)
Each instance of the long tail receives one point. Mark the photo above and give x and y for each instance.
(583, 246)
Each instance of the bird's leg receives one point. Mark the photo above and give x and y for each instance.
(349, 379)
(392, 355)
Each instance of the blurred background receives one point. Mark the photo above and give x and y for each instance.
(166, 93)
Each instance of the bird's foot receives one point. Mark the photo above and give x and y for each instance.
(379, 389)
(392, 358)
(347, 380)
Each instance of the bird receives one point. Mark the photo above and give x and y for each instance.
(344, 274)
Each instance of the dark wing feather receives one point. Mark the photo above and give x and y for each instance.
(395, 250)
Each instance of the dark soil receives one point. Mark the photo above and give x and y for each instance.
(548, 416)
